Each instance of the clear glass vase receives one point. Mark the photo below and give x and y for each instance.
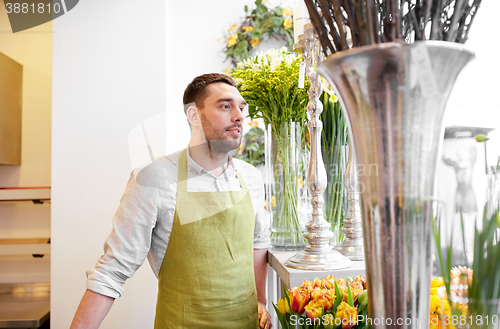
(287, 157)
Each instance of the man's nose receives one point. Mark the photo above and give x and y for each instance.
(238, 116)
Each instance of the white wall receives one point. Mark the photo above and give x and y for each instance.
(474, 100)
(109, 75)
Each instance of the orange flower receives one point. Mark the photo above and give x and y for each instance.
(254, 42)
(314, 310)
(299, 301)
(347, 314)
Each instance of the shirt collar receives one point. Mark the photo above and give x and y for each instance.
(194, 167)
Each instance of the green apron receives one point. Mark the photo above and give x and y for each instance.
(206, 279)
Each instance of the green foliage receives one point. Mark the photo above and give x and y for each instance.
(253, 149)
(260, 24)
(334, 139)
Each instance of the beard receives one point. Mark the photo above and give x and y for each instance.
(219, 139)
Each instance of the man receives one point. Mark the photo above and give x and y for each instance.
(198, 216)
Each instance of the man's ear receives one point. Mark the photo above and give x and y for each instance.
(193, 116)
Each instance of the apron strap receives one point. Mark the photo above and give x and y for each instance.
(182, 173)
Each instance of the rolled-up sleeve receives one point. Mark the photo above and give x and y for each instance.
(128, 245)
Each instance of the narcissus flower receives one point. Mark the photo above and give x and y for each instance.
(287, 12)
(232, 28)
(287, 23)
(247, 29)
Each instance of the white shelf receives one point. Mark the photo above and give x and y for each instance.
(24, 194)
(39, 246)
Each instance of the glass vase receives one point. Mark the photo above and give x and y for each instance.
(395, 96)
(286, 188)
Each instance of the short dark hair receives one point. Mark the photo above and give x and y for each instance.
(195, 91)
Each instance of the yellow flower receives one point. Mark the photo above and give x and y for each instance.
(282, 307)
(287, 23)
(247, 29)
(232, 28)
(328, 321)
(231, 40)
(254, 42)
(253, 124)
(333, 98)
(347, 314)
(265, 204)
(287, 12)
(227, 70)
(437, 282)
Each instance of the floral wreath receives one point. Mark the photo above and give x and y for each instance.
(260, 24)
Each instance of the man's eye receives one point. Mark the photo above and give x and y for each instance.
(242, 109)
(225, 106)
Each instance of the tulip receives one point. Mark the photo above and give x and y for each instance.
(363, 298)
(328, 321)
(281, 306)
(347, 315)
(299, 301)
(314, 310)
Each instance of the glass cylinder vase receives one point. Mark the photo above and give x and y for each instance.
(286, 154)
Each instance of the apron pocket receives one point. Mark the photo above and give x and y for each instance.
(229, 316)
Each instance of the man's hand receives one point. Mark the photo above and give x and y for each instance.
(264, 317)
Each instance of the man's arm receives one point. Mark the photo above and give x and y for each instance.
(91, 311)
(260, 269)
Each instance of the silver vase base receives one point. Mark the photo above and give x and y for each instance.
(353, 252)
(314, 261)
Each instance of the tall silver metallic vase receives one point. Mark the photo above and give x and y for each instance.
(395, 95)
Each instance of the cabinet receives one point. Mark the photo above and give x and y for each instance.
(11, 84)
(24, 261)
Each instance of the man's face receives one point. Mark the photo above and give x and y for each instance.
(221, 117)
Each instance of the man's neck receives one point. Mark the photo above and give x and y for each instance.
(208, 159)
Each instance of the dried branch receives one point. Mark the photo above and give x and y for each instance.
(352, 23)
(375, 21)
(428, 6)
(457, 12)
(340, 23)
(320, 28)
(329, 19)
(371, 18)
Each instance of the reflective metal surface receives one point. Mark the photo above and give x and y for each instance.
(352, 247)
(24, 305)
(395, 96)
(318, 254)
